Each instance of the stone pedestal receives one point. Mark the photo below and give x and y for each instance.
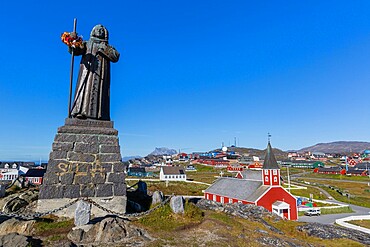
(85, 161)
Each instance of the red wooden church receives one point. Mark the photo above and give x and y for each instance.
(266, 191)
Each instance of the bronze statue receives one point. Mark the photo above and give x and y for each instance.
(93, 86)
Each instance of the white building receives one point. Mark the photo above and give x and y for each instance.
(8, 171)
(11, 170)
(172, 173)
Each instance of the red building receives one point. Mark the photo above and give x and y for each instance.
(235, 168)
(264, 190)
(255, 165)
(354, 172)
(330, 170)
(214, 162)
(34, 176)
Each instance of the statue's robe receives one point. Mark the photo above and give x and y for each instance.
(92, 95)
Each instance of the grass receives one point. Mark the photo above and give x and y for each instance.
(50, 227)
(337, 176)
(205, 177)
(292, 171)
(289, 229)
(211, 228)
(203, 168)
(163, 219)
(178, 188)
(359, 192)
(316, 193)
(341, 210)
(363, 223)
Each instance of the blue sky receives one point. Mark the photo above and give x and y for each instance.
(193, 74)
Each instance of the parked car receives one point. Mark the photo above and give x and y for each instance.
(313, 211)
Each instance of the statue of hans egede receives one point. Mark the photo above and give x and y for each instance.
(91, 98)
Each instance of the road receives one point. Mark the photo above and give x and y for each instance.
(330, 218)
(336, 180)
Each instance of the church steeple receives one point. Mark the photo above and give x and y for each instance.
(270, 160)
(270, 168)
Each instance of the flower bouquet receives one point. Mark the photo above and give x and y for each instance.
(72, 40)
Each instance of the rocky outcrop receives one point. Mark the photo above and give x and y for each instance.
(246, 211)
(109, 231)
(16, 240)
(13, 225)
(18, 201)
(274, 241)
(333, 232)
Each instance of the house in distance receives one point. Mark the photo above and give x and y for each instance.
(266, 192)
(172, 173)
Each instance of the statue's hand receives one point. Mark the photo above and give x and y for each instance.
(102, 47)
(73, 35)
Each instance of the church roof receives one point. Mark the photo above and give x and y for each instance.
(173, 170)
(252, 174)
(270, 160)
(241, 189)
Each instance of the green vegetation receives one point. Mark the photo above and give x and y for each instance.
(203, 168)
(341, 210)
(336, 176)
(178, 188)
(363, 223)
(210, 228)
(163, 219)
(51, 227)
(205, 177)
(292, 171)
(358, 194)
(316, 193)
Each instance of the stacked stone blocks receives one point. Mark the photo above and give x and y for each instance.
(85, 161)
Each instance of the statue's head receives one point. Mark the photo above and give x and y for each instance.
(100, 32)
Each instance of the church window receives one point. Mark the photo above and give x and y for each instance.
(266, 179)
(266, 172)
(275, 179)
(274, 172)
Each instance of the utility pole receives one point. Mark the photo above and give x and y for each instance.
(287, 169)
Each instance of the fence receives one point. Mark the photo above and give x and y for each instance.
(88, 200)
(343, 222)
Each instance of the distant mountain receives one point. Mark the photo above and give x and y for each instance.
(163, 151)
(338, 147)
(127, 158)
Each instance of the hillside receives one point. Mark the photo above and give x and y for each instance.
(279, 154)
(338, 147)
